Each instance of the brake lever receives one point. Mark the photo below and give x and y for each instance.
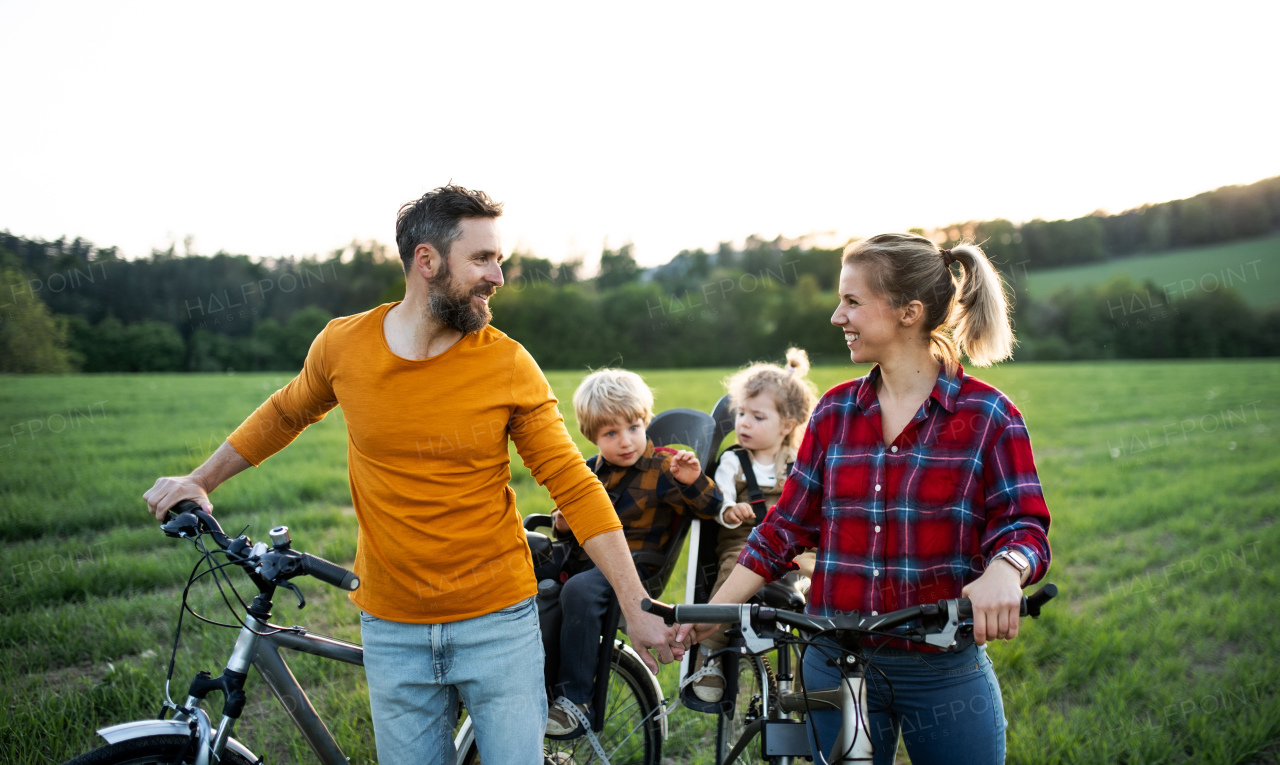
(181, 526)
(947, 637)
(302, 602)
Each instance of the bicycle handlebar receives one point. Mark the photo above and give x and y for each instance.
(329, 573)
(850, 622)
(189, 520)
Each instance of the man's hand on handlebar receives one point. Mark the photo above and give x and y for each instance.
(649, 633)
(221, 465)
(171, 490)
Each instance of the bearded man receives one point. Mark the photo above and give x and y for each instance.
(431, 394)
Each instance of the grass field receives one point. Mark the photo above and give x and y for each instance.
(1162, 480)
(1250, 267)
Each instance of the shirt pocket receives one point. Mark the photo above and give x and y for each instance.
(940, 484)
(849, 474)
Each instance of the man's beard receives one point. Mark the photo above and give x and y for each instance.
(455, 309)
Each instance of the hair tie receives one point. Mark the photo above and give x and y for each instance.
(947, 257)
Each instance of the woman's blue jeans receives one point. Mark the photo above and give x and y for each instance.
(946, 706)
(416, 673)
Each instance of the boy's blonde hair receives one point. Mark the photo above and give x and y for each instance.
(792, 392)
(608, 396)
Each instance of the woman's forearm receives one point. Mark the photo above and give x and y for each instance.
(739, 587)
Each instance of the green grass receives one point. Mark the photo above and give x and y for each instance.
(1162, 480)
(1251, 268)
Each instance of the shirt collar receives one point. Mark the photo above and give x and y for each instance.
(945, 389)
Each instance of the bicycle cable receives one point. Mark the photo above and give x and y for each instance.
(868, 663)
(177, 633)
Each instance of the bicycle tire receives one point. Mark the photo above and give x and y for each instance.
(632, 733)
(148, 750)
(755, 680)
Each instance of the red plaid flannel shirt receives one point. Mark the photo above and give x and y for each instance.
(909, 522)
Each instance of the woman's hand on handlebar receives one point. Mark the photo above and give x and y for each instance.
(689, 635)
(997, 599)
(738, 588)
(171, 490)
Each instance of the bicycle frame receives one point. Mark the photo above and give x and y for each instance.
(262, 651)
(785, 739)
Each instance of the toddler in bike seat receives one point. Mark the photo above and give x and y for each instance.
(651, 488)
(771, 405)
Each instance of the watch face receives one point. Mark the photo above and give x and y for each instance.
(1017, 558)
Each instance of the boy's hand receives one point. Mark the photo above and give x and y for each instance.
(740, 513)
(557, 520)
(685, 467)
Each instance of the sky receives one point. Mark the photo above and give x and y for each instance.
(277, 129)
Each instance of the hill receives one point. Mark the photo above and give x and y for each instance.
(1250, 267)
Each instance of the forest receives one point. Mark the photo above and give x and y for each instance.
(68, 305)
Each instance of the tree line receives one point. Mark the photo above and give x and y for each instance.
(68, 305)
(1221, 215)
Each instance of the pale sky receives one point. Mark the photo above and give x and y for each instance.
(286, 129)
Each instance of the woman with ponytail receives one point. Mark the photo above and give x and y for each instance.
(916, 483)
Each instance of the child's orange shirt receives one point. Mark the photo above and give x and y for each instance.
(440, 539)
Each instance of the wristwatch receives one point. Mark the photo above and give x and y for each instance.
(1015, 558)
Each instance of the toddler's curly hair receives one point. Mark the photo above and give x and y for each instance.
(793, 393)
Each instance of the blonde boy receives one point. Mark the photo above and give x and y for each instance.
(651, 488)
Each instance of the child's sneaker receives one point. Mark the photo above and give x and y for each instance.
(563, 724)
(710, 686)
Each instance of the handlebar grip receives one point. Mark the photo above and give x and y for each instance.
(1031, 604)
(708, 614)
(965, 608)
(185, 506)
(667, 613)
(329, 573)
(1037, 599)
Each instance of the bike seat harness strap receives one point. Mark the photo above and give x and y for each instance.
(755, 495)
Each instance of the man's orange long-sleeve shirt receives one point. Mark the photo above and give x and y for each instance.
(440, 539)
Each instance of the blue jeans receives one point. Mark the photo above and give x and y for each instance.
(584, 601)
(416, 672)
(947, 706)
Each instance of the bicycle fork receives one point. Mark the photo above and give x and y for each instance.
(231, 684)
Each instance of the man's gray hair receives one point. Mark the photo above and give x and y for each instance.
(435, 219)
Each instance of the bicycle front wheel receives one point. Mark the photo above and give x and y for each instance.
(755, 684)
(149, 750)
(632, 733)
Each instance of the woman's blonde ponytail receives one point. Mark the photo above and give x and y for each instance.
(981, 315)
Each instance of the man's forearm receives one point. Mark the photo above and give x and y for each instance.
(611, 555)
(221, 465)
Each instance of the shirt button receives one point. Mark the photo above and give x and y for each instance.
(893, 448)
(877, 487)
(877, 529)
(875, 572)
(875, 613)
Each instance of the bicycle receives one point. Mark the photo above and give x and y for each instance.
(190, 736)
(777, 714)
